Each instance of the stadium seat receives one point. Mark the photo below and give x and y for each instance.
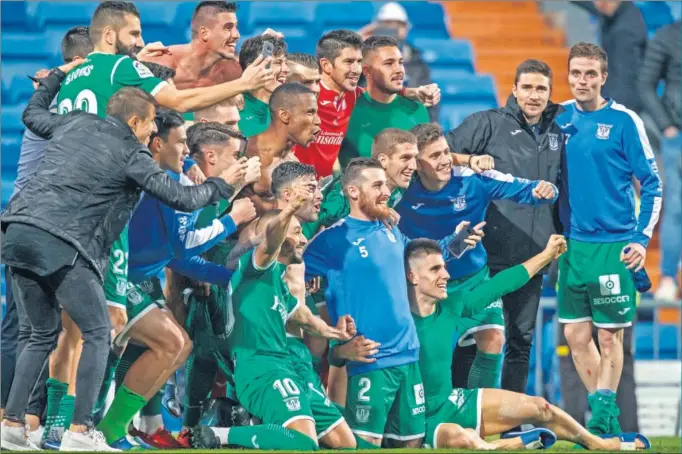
(467, 87)
(656, 14)
(69, 14)
(452, 114)
(15, 85)
(11, 119)
(336, 15)
(446, 55)
(26, 47)
(427, 19)
(11, 147)
(645, 345)
(293, 19)
(301, 44)
(158, 22)
(15, 17)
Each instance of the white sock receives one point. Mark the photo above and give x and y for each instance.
(221, 433)
(150, 424)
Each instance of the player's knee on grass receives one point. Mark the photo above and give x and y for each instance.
(454, 436)
(118, 317)
(578, 335)
(369, 439)
(304, 426)
(340, 438)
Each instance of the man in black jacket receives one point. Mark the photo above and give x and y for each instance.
(59, 229)
(662, 62)
(524, 141)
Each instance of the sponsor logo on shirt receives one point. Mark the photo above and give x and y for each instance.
(418, 410)
(142, 70)
(329, 138)
(603, 131)
(553, 141)
(419, 394)
(417, 206)
(459, 203)
(609, 284)
(513, 133)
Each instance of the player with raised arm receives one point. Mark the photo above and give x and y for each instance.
(268, 292)
(606, 147)
(439, 199)
(360, 256)
(458, 418)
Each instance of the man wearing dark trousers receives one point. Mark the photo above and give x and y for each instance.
(524, 141)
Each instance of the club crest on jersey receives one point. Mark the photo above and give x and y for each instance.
(553, 141)
(459, 203)
(146, 286)
(390, 235)
(293, 404)
(603, 131)
(121, 286)
(134, 297)
(362, 413)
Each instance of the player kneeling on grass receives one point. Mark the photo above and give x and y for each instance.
(451, 414)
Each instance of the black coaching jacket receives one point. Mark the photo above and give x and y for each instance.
(91, 177)
(514, 232)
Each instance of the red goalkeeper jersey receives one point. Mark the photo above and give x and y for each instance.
(334, 110)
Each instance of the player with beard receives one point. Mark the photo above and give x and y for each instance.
(458, 418)
(361, 256)
(380, 107)
(304, 69)
(293, 108)
(267, 383)
(255, 114)
(440, 198)
(340, 59)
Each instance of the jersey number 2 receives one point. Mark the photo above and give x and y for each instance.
(365, 385)
(120, 263)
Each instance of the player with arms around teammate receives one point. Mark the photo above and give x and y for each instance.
(606, 147)
(116, 34)
(360, 256)
(439, 199)
(457, 418)
(268, 291)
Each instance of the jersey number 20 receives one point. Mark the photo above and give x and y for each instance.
(86, 101)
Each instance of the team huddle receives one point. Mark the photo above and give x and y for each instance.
(302, 220)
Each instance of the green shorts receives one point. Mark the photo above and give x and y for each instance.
(327, 414)
(273, 392)
(463, 407)
(116, 277)
(595, 286)
(472, 320)
(387, 403)
(141, 299)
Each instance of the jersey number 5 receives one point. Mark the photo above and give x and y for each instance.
(363, 251)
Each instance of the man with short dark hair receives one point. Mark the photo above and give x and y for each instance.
(380, 107)
(441, 197)
(15, 331)
(607, 145)
(304, 69)
(76, 214)
(226, 113)
(339, 54)
(293, 109)
(255, 116)
(525, 141)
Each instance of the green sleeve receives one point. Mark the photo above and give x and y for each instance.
(132, 73)
(249, 268)
(493, 289)
(334, 206)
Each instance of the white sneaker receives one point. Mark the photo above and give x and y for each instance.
(92, 440)
(667, 291)
(36, 436)
(16, 439)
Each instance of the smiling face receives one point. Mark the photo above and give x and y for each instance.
(371, 194)
(143, 128)
(434, 163)
(346, 69)
(221, 34)
(294, 244)
(385, 69)
(532, 92)
(429, 276)
(585, 78)
(401, 165)
(129, 38)
(280, 69)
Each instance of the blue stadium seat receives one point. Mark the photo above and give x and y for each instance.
(69, 14)
(452, 114)
(467, 87)
(11, 119)
(15, 17)
(158, 21)
(336, 15)
(302, 44)
(445, 56)
(11, 147)
(656, 14)
(26, 47)
(293, 19)
(427, 19)
(15, 85)
(675, 10)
